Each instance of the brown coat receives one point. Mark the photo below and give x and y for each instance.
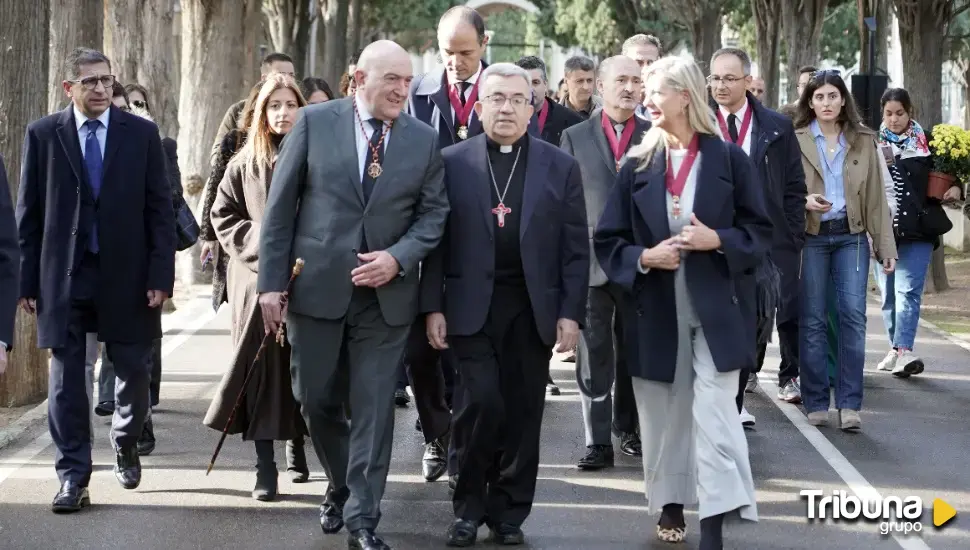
(865, 191)
(269, 410)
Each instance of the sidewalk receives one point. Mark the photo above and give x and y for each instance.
(195, 304)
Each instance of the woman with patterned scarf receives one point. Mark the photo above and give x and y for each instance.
(918, 223)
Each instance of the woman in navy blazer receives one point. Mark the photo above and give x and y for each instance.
(684, 240)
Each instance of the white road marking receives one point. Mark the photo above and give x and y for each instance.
(852, 478)
(9, 466)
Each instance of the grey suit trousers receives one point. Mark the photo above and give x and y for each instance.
(351, 360)
(604, 347)
(106, 378)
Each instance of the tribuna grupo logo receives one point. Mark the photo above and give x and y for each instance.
(894, 514)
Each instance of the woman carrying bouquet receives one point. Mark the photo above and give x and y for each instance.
(917, 225)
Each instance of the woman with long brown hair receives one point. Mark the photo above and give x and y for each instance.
(847, 198)
(269, 411)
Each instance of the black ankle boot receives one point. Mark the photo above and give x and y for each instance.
(711, 533)
(296, 461)
(266, 474)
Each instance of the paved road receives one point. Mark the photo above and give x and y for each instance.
(915, 441)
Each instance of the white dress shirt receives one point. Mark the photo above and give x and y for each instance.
(82, 130)
(363, 141)
(746, 144)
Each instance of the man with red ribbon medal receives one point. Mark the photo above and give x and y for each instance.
(600, 145)
(769, 140)
(445, 100)
(517, 263)
(551, 118)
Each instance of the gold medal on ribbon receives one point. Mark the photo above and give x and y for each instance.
(374, 170)
(463, 132)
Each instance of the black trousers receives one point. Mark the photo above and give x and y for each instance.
(69, 410)
(788, 344)
(431, 375)
(500, 397)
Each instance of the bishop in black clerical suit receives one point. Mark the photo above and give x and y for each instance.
(507, 284)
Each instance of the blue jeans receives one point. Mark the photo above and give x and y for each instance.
(843, 260)
(902, 292)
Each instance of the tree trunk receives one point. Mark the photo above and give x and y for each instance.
(252, 34)
(881, 10)
(802, 22)
(333, 39)
(706, 36)
(73, 24)
(24, 41)
(921, 26)
(767, 18)
(212, 80)
(138, 41)
(289, 29)
(356, 24)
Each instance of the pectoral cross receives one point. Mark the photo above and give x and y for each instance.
(501, 210)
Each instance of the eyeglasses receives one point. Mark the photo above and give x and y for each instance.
(729, 80)
(498, 101)
(140, 104)
(91, 82)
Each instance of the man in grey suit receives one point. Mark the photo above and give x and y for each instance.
(358, 194)
(600, 144)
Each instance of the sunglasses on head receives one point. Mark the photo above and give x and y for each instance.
(140, 104)
(826, 72)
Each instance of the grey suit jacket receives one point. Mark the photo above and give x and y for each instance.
(587, 142)
(315, 210)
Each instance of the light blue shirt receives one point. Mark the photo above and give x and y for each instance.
(82, 130)
(833, 173)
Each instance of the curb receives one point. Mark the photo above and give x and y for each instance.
(948, 336)
(16, 430)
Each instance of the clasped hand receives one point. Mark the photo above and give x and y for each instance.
(377, 270)
(666, 255)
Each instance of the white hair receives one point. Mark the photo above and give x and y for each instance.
(504, 70)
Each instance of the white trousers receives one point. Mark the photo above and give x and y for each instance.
(693, 442)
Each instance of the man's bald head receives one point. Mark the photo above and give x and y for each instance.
(617, 63)
(383, 75)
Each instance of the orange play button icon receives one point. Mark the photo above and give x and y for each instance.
(942, 512)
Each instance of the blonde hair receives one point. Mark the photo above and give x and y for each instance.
(256, 156)
(680, 75)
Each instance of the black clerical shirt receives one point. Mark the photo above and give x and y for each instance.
(508, 258)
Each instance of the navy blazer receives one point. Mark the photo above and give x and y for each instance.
(457, 278)
(9, 262)
(729, 201)
(135, 220)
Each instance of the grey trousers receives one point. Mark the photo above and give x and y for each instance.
(352, 360)
(693, 442)
(106, 379)
(605, 353)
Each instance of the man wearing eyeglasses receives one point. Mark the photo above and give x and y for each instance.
(769, 139)
(97, 234)
(505, 286)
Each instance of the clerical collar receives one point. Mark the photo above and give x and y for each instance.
(740, 114)
(495, 146)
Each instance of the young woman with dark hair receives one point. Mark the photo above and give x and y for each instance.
(316, 90)
(846, 199)
(917, 226)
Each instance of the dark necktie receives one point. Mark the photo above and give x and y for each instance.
(733, 127)
(461, 87)
(93, 165)
(367, 181)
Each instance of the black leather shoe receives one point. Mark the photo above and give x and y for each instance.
(401, 398)
(462, 533)
(70, 498)
(597, 457)
(105, 408)
(128, 468)
(267, 482)
(365, 539)
(435, 461)
(332, 510)
(630, 445)
(296, 465)
(146, 443)
(506, 535)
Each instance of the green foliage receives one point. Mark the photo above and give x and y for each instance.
(509, 40)
(840, 34)
(411, 23)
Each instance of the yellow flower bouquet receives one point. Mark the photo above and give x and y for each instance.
(951, 158)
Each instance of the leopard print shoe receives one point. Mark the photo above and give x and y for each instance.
(672, 534)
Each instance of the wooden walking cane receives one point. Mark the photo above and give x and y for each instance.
(297, 268)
